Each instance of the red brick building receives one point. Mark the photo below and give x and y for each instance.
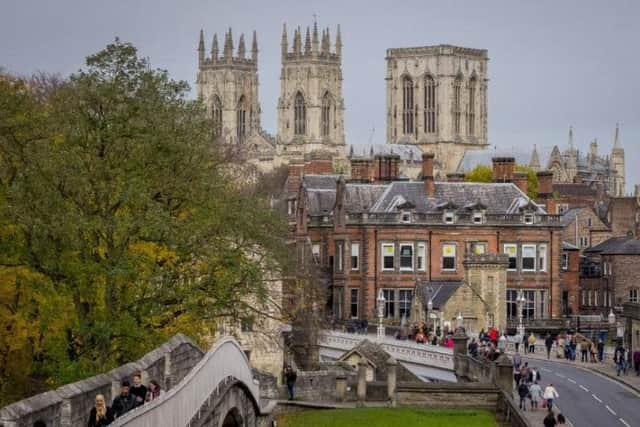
(389, 234)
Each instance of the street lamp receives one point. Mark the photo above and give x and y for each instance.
(521, 300)
(381, 302)
(612, 317)
(429, 312)
(459, 320)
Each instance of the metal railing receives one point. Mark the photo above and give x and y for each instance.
(178, 406)
(435, 219)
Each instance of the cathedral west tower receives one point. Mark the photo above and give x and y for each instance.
(437, 99)
(311, 106)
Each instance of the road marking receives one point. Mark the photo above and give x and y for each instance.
(596, 398)
(624, 422)
(584, 388)
(560, 375)
(546, 370)
(610, 410)
(571, 381)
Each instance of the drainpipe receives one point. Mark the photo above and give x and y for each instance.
(375, 280)
(429, 254)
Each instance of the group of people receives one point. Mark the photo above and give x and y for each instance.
(625, 359)
(130, 397)
(421, 334)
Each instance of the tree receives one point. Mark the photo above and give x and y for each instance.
(480, 173)
(123, 204)
(532, 180)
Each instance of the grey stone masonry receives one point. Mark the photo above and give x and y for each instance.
(69, 405)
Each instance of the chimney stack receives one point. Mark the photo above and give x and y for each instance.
(387, 167)
(427, 174)
(545, 190)
(521, 180)
(503, 169)
(362, 170)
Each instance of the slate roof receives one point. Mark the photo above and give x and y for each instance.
(407, 152)
(498, 198)
(378, 357)
(569, 216)
(568, 246)
(438, 291)
(617, 246)
(574, 190)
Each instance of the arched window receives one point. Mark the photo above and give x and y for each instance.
(407, 104)
(325, 123)
(217, 117)
(471, 106)
(241, 119)
(300, 115)
(429, 105)
(457, 104)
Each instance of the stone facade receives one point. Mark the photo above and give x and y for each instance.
(584, 228)
(437, 99)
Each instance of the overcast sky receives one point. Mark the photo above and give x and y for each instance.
(553, 63)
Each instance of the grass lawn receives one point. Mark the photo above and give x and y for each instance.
(389, 417)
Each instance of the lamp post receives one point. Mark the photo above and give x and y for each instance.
(459, 321)
(521, 300)
(429, 312)
(381, 301)
(612, 317)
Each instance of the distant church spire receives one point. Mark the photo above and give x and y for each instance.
(297, 42)
(241, 47)
(254, 47)
(315, 41)
(571, 138)
(307, 43)
(228, 45)
(339, 42)
(534, 163)
(616, 139)
(214, 48)
(201, 47)
(283, 43)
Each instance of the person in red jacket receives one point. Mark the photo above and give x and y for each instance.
(493, 335)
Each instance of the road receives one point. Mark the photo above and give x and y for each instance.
(588, 399)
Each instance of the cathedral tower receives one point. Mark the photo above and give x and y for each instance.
(228, 85)
(617, 163)
(437, 99)
(311, 107)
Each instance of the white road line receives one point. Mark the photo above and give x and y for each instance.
(610, 410)
(584, 388)
(571, 381)
(546, 370)
(596, 398)
(624, 422)
(560, 375)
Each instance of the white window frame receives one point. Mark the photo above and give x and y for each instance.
(315, 251)
(565, 261)
(505, 251)
(633, 296)
(449, 217)
(384, 254)
(561, 208)
(478, 217)
(595, 297)
(584, 298)
(340, 247)
(589, 295)
(535, 257)
(352, 292)
(542, 257)
(389, 302)
(421, 253)
(528, 218)
(406, 244)
(355, 253)
(455, 256)
(405, 217)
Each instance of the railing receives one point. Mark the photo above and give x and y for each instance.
(406, 351)
(178, 406)
(434, 219)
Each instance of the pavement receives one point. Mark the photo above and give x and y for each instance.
(591, 394)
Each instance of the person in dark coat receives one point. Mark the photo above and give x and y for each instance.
(549, 420)
(290, 377)
(523, 392)
(138, 390)
(124, 402)
(101, 415)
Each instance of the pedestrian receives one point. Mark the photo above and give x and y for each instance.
(493, 335)
(524, 372)
(517, 340)
(124, 402)
(523, 392)
(592, 352)
(560, 348)
(473, 348)
(101, 415)
(549, 395)
(584, 350)
(502, 343)
(549, 420)
(535, 391)
(562, 421)
(290, 377)
(517, 360)
(138, 390)
(154, 391)
(600, 351)
(573, 347)
(532, 343)
(619, 357)
(548, 343)
(534, 375)
(636, 361)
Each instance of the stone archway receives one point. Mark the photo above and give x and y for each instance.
(233, 419)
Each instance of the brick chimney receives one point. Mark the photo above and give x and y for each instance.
(545, 191)
(503, 169)
(295, 171)
(427, 174)
(362, 170)
(455, 177)
(318, 163)
(521, 180)
(387, 167)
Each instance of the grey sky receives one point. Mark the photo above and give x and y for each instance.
(552, 63)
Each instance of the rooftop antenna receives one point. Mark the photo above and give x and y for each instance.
(373, 130)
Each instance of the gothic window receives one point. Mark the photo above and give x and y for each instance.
(429, 105)
(217, 117)
(241, 119)
(326, 115)
(299, 115)
(407, 103)
(457, 104)
(471, 113)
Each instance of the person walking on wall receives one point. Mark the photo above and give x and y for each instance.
(138, 390)
(290, 377)
(124, 402)
(535, 391)
(523, 392)
(101, 415)
(549, 395)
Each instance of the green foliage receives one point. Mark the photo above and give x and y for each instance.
(532, 180)
(480, 173)
(119, 224)
(383, 417)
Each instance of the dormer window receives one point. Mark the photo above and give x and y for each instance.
(406, 217)
(449, 217)
(528, 218)
(478, 217)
